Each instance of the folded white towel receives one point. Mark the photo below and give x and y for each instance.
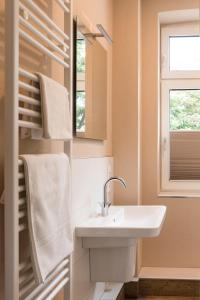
(56, 118)
(47, 180)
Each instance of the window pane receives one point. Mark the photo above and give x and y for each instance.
(185, 53)
(81, 54)
(185, 110)
(80, 111)
(184, 135)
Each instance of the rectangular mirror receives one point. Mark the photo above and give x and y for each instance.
(90, 85)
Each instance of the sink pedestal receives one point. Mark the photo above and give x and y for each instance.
(111, 259)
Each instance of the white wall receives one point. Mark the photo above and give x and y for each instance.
(88, 178)
(126, 102)
(126, 99)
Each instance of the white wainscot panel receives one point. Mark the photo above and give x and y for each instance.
(88, 178)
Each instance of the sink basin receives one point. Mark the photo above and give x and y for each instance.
(112, 240)
(125, 222)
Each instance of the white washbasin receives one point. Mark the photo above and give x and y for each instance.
(125, 222)
(112, 240)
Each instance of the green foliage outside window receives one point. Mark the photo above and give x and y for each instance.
(80, 95)
(80, 111)
(81, 53)
(185, 110)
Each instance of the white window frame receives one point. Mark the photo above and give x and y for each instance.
(172, 80)
(182, 29)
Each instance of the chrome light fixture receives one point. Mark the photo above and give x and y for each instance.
(103, 33)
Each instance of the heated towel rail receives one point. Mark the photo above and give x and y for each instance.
(27, 21)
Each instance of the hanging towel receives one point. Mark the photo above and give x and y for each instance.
(56, 116)
(47, 180)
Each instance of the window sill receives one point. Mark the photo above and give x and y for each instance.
(178, 194)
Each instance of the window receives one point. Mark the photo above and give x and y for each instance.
(180, 110)
(184, 110)
(184, 53)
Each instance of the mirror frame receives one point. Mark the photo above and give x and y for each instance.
(74, 75)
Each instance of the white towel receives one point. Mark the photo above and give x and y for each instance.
(47, 179)
(56, 118)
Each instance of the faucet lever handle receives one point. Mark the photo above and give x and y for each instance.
(109, 203)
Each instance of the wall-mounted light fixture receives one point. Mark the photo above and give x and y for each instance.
(103, 33)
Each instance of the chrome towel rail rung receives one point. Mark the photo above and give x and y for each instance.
(22, 227)
(44, 27)
(42, 287)
(44, 16)
(42, 48)
(22, 214)
(63, 6)
(28, 75)
(21, 176)
(57, 289)
(20, 162)
(43, 37)
(25, 265)
(29, 87)
(31, 125)
(29, 100)
(52, 285)
(26, 289)
(26, 277)
(21, 188)
(22, 201)
(29, 112)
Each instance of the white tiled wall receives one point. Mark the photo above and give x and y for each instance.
(88, 178)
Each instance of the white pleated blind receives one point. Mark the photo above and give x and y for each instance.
(185, 155)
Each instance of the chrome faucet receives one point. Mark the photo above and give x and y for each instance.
(106, 202)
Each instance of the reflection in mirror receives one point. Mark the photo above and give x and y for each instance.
(80, 82)
(90, 85)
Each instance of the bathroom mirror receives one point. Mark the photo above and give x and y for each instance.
(90, 85)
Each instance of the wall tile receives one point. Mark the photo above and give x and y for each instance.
(88, 178)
